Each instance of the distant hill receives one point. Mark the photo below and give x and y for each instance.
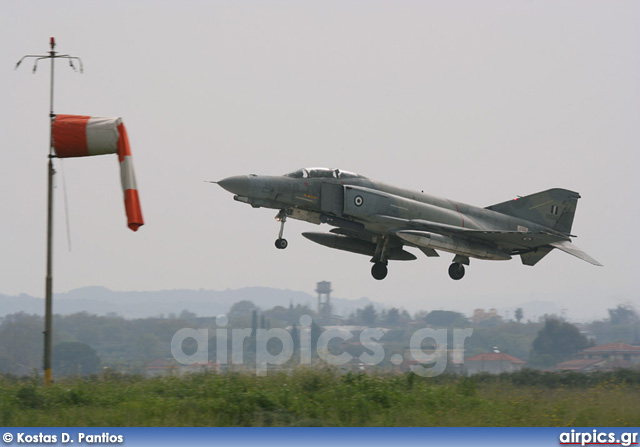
(102, 301)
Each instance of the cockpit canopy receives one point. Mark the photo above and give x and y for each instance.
(322, 173)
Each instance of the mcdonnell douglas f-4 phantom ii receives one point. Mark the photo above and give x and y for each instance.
(378, 220)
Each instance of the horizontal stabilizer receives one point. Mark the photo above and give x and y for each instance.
(570, 248)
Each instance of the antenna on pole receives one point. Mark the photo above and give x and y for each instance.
(48, 330)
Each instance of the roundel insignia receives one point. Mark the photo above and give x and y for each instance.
(358, 200)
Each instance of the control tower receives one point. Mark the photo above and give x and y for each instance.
(324, 306)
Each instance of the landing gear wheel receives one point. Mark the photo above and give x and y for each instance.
(379, 270)
(456, 271)
(281, 243)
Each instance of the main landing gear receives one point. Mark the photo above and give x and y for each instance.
(456, 271)
(380, 259)
(379, 270)
(281, 243)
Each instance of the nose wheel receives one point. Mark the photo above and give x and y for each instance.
(281, 243)
(456, 271)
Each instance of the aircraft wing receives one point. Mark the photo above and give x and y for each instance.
(513, 240)
(508, 239)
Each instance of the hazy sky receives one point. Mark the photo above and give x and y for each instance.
(474, 101)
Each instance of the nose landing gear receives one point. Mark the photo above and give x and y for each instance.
(281, 243)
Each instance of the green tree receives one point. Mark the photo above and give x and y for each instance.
(74, 358)
(445, 318)
(316, 331)
(187, 315)
(623, 314)
(392, 317)
(148, 347)
(557, 341)
(511, 338)
(519, 314)
(368, 315)
(295, 336)
(5, 364)
(21, 343)
(242, 312)
(254, 322)
(281, 316)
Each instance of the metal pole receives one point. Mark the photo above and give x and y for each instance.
(48, 309)
(48, 306)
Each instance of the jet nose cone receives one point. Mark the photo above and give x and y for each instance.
(239, 184)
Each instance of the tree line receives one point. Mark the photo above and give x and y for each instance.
(86, 343)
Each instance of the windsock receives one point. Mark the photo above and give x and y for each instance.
(82, 136)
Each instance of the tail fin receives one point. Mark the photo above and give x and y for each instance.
(554, 208)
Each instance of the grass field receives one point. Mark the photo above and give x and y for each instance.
(326, 398)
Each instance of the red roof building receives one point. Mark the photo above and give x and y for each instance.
(582, 365)
(603, 358)
(613, 351)
(493, 362)
(160, 367)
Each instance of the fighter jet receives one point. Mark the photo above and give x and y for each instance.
(379, 220)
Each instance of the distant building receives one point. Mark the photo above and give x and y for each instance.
(324, 306)
(165, 367)
(480, 316)
(493, 362)
(581, 365)
(201, 367)
(604, 358)
(613, 351)
(160, 367)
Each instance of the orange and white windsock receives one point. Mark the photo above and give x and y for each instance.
(82, 136)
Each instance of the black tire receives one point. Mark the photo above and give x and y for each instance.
(379, 270)
(281, 244)
(456, 271)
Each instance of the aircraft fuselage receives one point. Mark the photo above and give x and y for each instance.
(377, 219)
